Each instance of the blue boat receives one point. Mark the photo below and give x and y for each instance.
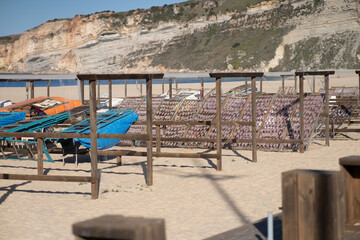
(7, 118)
(112, 121)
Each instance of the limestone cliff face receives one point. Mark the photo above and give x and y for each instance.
(270, 35)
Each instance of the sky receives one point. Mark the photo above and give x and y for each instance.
(17, 16)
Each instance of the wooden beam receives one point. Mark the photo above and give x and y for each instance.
(327, 119)
(93, 139)
(218, 124)
(313, 84)
(98, 93)
(163, 87)
(76, 135)
(82, 91)
(236, 74)
(359, 83)
(158, 142)
(202, 89)
(295, 78)
(282, 85)
(347, 130)
(119, 76)
(177, 86)
(301, 112)
(323, 73)
(141, 88)
(125, 94)
(170, 88)
(246, 86)
(155, 154)
(32, 90)
(253, 118)
(261, 84)
(110, 94)
(40, 163)
(48, 88)
(149, 131)
(194, 122)
(57, 178)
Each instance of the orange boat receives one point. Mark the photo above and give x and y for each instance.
(50, 105)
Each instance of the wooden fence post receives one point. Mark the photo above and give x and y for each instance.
(177, 86)
(170, 88)
(163, 87)
(141, 87)
(158, 142)
(93, 139)
(218, 124)
(40, 163)
(32, 90)
(246, 86)
(350, 167)
(312, 204)
(110, 94)
(301, 112)
(327, 134)
(149, 131)
(82, 91)
(253, 118)
(125, 93)
(48, 88)
(202, 89)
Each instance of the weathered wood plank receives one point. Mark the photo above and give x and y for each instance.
(58, 178)
(119, 76)
(236, 74)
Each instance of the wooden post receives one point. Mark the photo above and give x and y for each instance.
(312, 205)
(40, 163)
(48, 88)
(170, 88)
(218, 124)
(149, 131)
(350, 167)
(327, 135)
(118, 161)
(295, 84)
(202, 89)
(27, 89)
(301, 112)
(359, 85)
(141, 88)
(110, 94)
(125, 94)
(177, 86)
(32, 91)
(163, 87)
(261, 84)
(253, 118)
(313, 88)
(98, 93)
(282, 85)
(158, 143)
(93, 139)
(82, 91)
(246, 86)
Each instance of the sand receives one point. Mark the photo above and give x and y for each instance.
(195, 200)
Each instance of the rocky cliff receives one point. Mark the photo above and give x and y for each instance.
(208, 35)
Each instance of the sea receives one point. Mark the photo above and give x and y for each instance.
(60, 83)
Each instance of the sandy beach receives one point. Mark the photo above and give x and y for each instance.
(195, 200)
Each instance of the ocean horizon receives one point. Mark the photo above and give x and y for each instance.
(72, 82)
